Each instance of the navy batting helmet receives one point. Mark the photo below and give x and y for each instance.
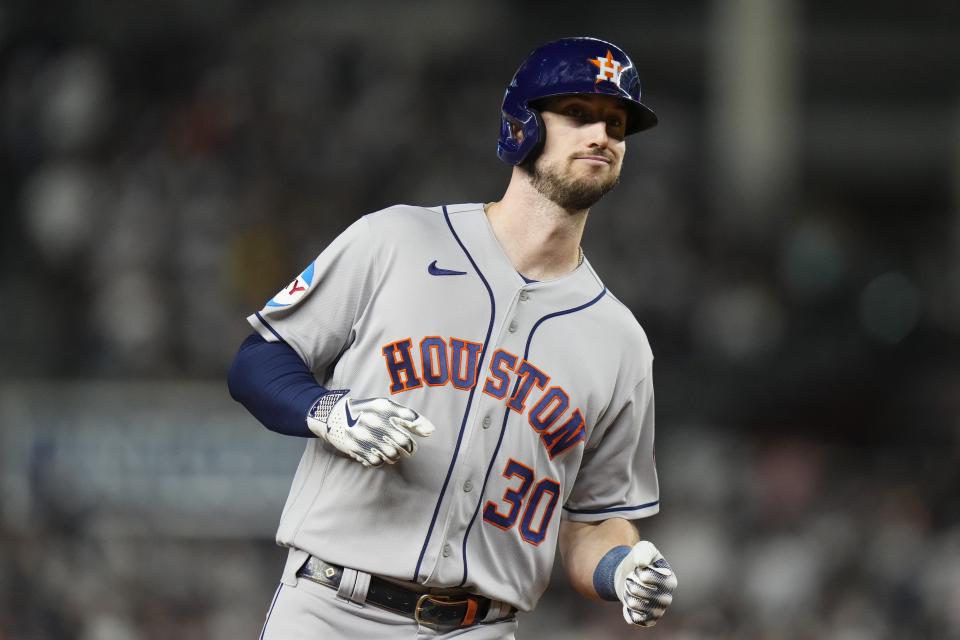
(567, 66)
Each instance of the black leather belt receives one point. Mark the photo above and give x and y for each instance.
(446, 611)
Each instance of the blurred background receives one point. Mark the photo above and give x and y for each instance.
(789, 237)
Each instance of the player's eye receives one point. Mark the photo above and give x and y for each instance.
(573, 111)
(616, 127)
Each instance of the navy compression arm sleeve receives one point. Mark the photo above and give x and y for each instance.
(274, 384)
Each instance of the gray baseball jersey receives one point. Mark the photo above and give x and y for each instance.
(541, 392)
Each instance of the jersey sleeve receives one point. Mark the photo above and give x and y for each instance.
(618, 475)
(315, 313)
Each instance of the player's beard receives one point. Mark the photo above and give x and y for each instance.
(567, 191)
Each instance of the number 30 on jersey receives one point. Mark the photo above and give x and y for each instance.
(537, 505)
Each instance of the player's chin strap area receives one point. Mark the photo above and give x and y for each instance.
(442, 612)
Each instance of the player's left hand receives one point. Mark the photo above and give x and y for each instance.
(645, 584)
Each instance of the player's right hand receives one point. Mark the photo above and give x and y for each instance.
(371, 431)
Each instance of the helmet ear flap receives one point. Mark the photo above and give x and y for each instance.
(520, 137)
(511, 134)
(533, 150)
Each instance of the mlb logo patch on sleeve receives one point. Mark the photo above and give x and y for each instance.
(293, 292)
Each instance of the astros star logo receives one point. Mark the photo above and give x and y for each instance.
(610, 69)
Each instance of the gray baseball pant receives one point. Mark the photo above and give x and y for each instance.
(310, 611)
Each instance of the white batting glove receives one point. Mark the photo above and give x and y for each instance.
(371, 431)
(645, 584)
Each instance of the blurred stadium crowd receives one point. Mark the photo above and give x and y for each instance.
(166, 170)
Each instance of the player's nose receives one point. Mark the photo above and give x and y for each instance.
(597, 135)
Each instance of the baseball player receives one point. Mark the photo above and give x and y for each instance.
(472, 396)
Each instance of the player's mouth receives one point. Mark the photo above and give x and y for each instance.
(595, 159)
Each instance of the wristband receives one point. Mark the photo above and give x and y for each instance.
(604, 582)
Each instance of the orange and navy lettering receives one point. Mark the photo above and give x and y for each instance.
(433, 355)
(403, 373)
(565, 436)
(517, 496)
(463, 362)
(548, 410)
(498, 380)
(529, 376)
(546, 487)
(455, 361)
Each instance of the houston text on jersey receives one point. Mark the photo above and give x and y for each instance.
(455, 361)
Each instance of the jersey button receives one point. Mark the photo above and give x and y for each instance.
(524, 296)
(446, 551)
(468, 486)
(513, 326)
(486, 422)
